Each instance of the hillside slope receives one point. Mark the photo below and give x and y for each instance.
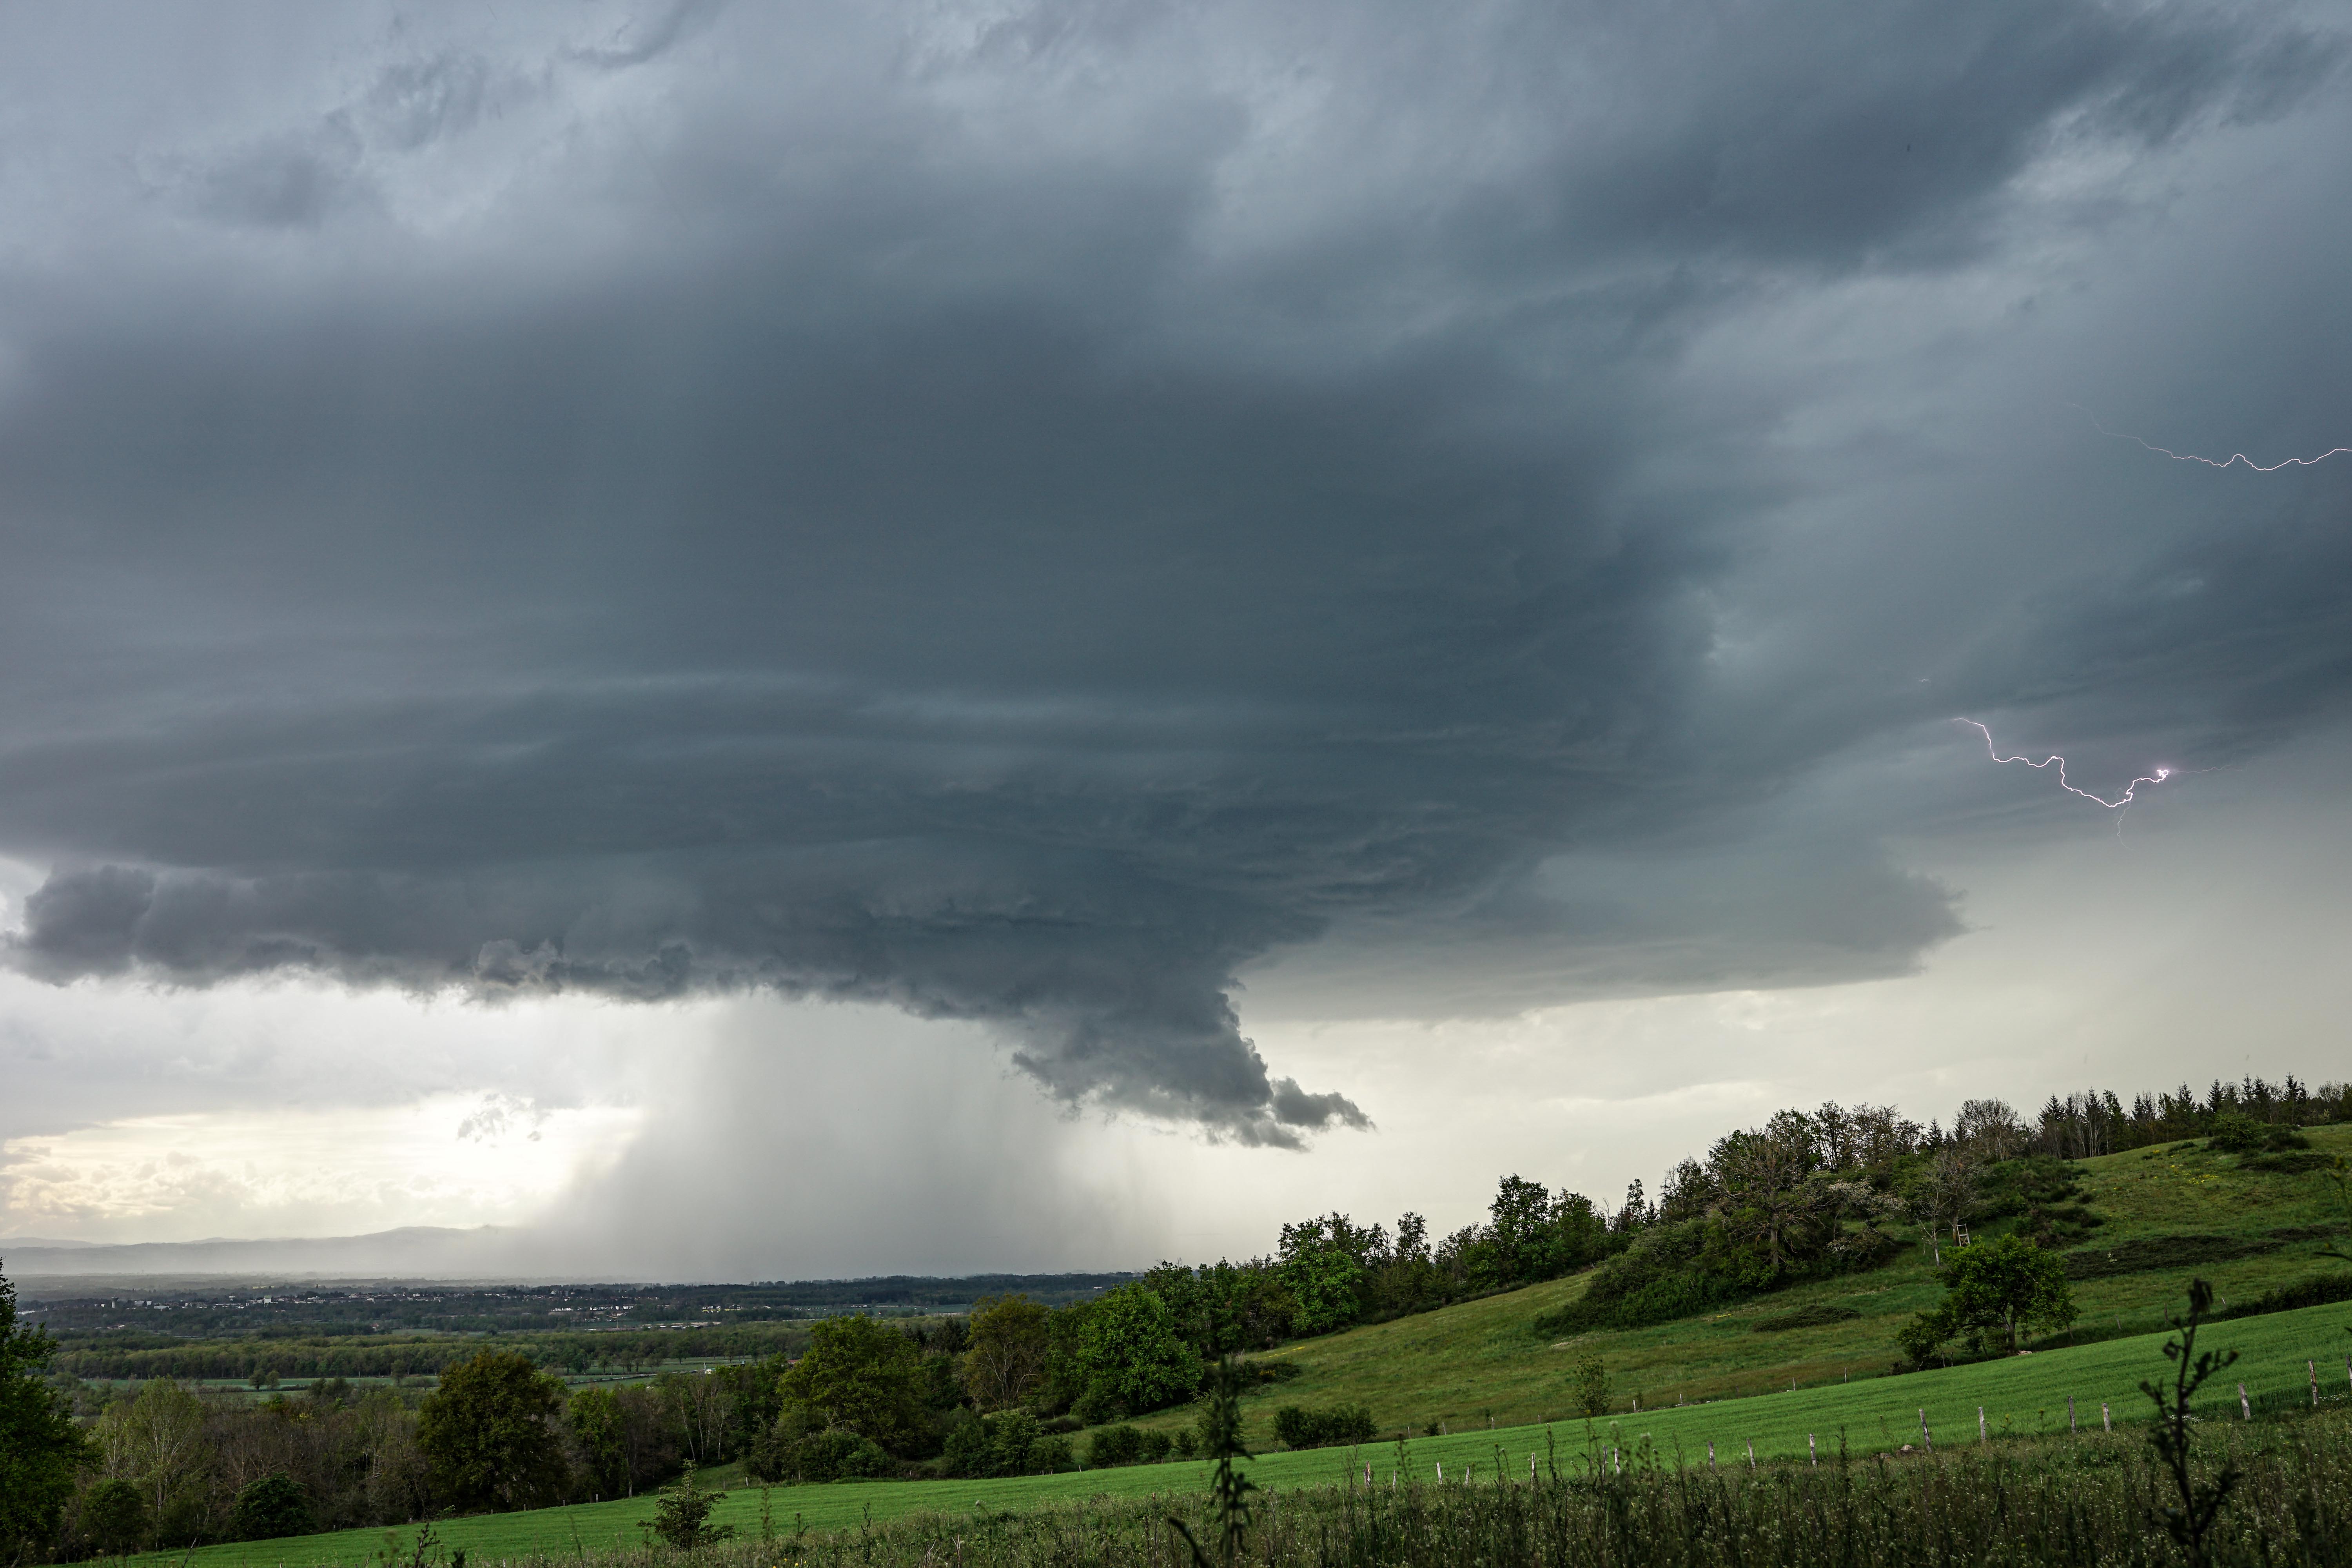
(2182, 1208)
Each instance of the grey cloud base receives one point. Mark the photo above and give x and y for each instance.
(1128, 1013)
(1025, 519)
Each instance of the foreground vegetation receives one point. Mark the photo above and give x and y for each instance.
(2089, 1500)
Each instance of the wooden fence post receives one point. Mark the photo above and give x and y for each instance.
(1813, 1453)
(1925, 1436)
(1981, 1425)
(2105, 1420)
(2313, 1368)
(2070, 1415)
(1752, 1455)
(2245, 1406)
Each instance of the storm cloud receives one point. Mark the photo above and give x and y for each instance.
(1022, 512)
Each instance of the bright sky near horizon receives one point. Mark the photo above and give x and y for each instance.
(781, 641)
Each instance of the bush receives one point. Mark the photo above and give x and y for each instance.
(965, 1452)
(2316, 1290)
(1126, 1445)
(113, 1516)
(835, 1456)
(682, 1516)
(1592, 1385)
(1671, 1271)
(1006, 1444)
(271, 1507)
(1051, 1456)
(1264, 1372)
(1300, 1428)
(2234, 1133)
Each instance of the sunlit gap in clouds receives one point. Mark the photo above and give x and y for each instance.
(445, 1160)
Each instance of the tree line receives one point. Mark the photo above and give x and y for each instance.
(627, 1352)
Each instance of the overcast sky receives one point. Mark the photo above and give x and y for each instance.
(772, 640)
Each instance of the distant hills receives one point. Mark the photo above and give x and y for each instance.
(412, 1252)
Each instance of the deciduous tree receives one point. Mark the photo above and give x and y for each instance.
(39, 1449)
(157, 1440)
(2008, 1287)
(1132, 1356)
(1006, 1355)
(489, 1431)
(859, 1374)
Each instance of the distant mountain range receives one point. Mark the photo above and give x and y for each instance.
(410, 1252)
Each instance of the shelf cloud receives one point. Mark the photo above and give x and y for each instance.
(1022, 512)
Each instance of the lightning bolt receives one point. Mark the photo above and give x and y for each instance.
(2060, 762)
(2232, 460)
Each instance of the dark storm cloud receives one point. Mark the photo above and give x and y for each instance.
(1015, 519)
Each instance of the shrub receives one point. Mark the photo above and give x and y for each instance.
(113, 1516)
(1300, 1428)
(838, 1454)
(2235, 1133)
(682, 1516)
(271, 1507)
(965, 1452)
(2315, 1291)
(1671, 1272)
(1115, 1446)
(1128, 1446)
(1592, 1385)
(1010, 1443)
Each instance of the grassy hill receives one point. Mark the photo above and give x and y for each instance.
(1713, 1379)
(1468, 1364)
